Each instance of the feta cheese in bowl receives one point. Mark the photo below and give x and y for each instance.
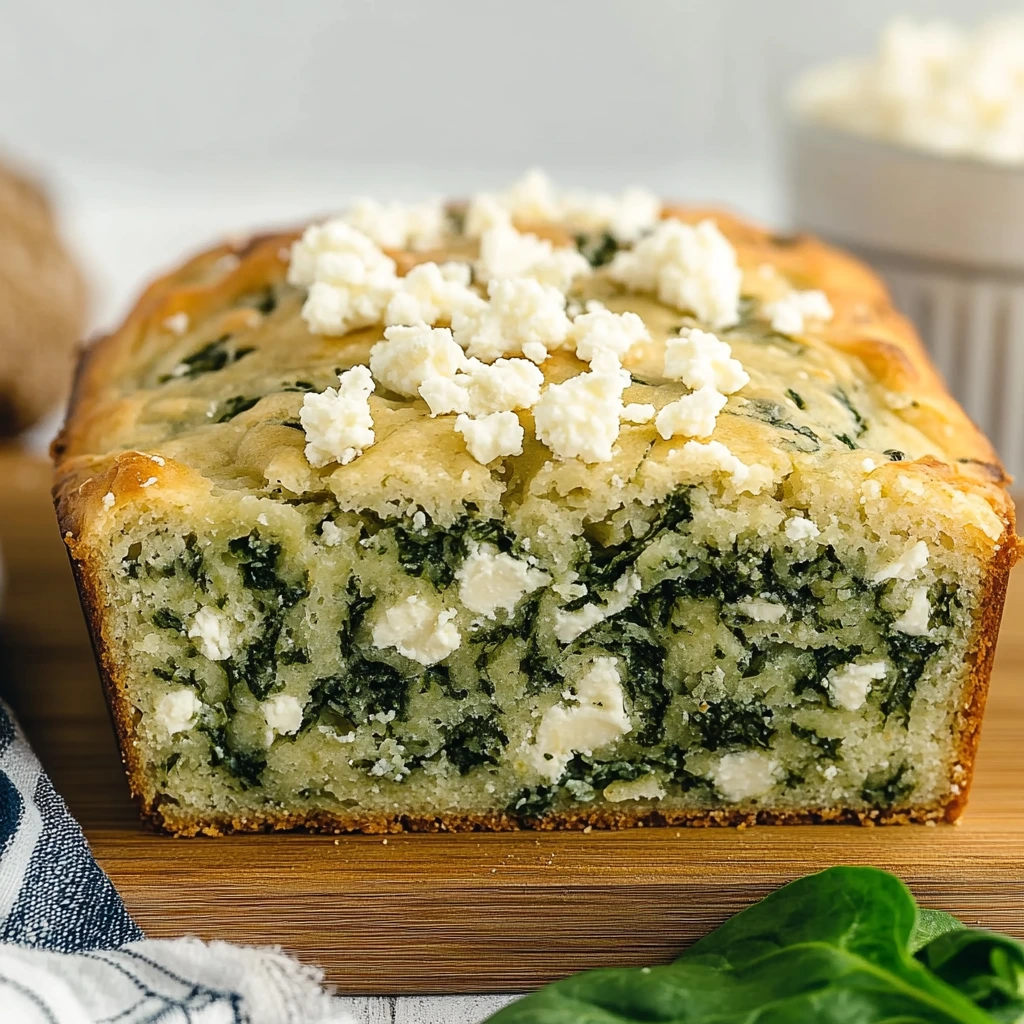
(914, 159)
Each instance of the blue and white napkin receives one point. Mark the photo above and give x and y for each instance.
(71, 954)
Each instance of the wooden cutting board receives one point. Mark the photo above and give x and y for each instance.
(461, 913)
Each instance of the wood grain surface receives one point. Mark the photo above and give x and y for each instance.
(461, 913)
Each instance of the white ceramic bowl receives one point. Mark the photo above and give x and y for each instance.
(948, 237)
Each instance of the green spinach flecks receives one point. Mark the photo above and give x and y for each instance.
(846, 402)
(256, 663)
(232, 407)
(441, 676)
(164, 618)
(435, 553)
(885, 788)
(828, 745)
(774, 414)
(533, 802)
(361, 689)
(644, 678)
(606, 564)
(213, 356)
(358, 606)
(910, 655)
(474, 741)
(727, 723)
(819, 662)
(598, 248)
(246, 766)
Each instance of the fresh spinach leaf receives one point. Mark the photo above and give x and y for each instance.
(986, 967)
(838, 947)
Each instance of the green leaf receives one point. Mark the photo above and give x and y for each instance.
(985, 967)
(832, 948)
(930, 925)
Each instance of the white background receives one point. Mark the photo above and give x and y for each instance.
(162, 124)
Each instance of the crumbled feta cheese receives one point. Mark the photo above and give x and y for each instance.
(491, 437)
(798, 528)
(330, 534)
(700, 359)
(605, 331)
(176, 711)
(569, 625)
(636, 412)
(744, 775)
(109, 499)
(599, 718)
(501, 386)
(869, 465)
(531, 198)
(788, 314)
(177, 323)
(534, 199)
(932, 86)
(418, 630)
(430, 293)
(411, 355)
(485, 211)
(505, 253)
(691, 268)
(762, 611)
(714, 457)
(693, 415)
(914, 621)
(445, 394)
(567, 589)
(849, 685)
(647, 787)
(521, 316)
(211, 629)
(350, 280)
(399, 225)
(907, 566)
(283, 714)
(625, 217)
(337, 423)
(581, 417)
(491, 581)
(148, 482)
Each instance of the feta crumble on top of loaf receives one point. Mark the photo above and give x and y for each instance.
(470, 338)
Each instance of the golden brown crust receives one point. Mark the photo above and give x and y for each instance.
(378, 824)
(866, 327)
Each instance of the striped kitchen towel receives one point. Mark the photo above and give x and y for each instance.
(71, 954)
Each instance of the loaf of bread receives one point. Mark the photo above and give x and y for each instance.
(545, 510)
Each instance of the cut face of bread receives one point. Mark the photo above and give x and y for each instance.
(789, 617)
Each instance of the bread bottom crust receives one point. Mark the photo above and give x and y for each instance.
(377, 824)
